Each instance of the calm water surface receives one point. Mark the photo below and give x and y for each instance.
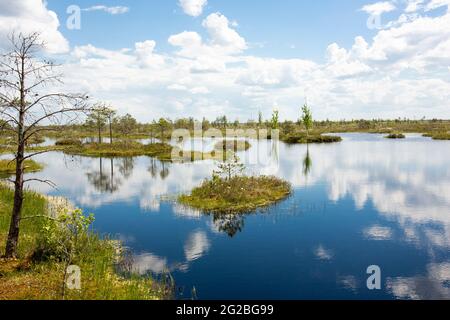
(365, 201)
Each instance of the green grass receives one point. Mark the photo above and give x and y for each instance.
(304, 139)
(8, 167)
(395, 136)
(33, 204)
(31, 278)
(237, 195)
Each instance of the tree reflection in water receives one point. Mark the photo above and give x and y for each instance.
(153, 169)
(307, 163)
(164, 171)
(104, 181)
(158, 167)
(110, 180)
(126, 166)
(231, 224)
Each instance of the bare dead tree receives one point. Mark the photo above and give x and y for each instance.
(28, 107)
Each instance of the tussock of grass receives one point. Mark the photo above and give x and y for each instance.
(237, 195)
(304, 139)
(396, 136)
(8, 167)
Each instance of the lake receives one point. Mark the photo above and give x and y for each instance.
(365, 201)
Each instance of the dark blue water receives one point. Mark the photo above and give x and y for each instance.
(365, 201)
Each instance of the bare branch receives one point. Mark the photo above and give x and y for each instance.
(49, 182)
(36, 131)
(38, 153)
(60, 96)
(11, 117)
(64, 110)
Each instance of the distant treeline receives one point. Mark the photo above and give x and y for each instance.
(128, 126)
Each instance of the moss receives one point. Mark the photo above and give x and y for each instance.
(8, 167)
(236, 195)
(395, 136)
(304, 139)
(233, 145)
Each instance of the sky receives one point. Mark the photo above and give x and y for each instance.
(204, 58)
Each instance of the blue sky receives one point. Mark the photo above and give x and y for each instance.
(178, 58)
(282, 29)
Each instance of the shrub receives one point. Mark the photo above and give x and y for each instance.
(64, 238)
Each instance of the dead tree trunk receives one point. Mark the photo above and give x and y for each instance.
(24, 107)
(14, 228)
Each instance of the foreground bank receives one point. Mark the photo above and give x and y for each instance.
(54, 236)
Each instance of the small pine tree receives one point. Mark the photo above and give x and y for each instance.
(307, 118)
(275, 119)
(229, 168)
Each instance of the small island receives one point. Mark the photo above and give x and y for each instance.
(8, 167)
(231, 192)
(129, 148)
(308, 136)
(396, 136)
(237, 195)
(310, 139)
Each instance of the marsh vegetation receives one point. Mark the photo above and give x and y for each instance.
(396, 135)
(54, 235)
(239, 194)
(8, 167)
(229, 191)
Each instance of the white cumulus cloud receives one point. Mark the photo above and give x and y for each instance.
(379, 8)
(193, 8)
(28, 16)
